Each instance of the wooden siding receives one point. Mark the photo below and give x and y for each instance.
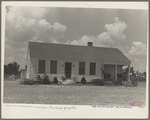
(33, 68)
(33, 62)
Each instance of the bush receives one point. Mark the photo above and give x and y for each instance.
(27, 82)
(134, 81)
(46, 80)
(107, 76)
(74, 79)
(119, 80)
(83, 81)
(55, 81)
(97, 82)
(63, 78)
(119, 75)
(38, 78)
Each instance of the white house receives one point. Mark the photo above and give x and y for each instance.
(75, 62)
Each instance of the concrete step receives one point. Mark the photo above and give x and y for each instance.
(68, 81)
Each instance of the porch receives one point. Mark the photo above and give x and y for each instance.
(112, 72)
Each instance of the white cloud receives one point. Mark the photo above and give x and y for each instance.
(138, 48)
(59, 27)
(25, 24)
(116, 19)
(83, 41)
(139, 64)
(67, 42)
(105, 39)
(137, 43)
(44, 24)
(75, 42)
(28, 12)
(113, 36)
(117, 29)
(137, 53)
(55, 41)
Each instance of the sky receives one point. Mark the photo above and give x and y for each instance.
(125, 29)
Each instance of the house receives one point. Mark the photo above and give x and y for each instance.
(75, 62)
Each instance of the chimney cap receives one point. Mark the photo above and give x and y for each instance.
(90, 44)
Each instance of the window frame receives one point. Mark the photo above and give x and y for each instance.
(92, 72)
(80, 68)
(39, 67)
(53, 70)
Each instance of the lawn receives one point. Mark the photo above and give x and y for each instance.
(72, 94)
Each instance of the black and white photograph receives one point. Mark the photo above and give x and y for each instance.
(56, 56)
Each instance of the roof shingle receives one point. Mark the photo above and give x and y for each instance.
(84, 53)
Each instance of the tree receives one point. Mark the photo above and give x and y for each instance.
(144, 74)
(131, 71)
(11, 69)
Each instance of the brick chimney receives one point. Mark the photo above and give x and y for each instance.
(90, 44)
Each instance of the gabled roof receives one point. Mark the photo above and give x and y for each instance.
(81, 53)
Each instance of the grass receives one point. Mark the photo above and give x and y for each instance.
(72, 94)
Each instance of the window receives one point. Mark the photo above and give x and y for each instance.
(41, 68)
(92, 68)
(53, 68)
(81, 68)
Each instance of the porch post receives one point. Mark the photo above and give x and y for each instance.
(116, 73)
(129, 74)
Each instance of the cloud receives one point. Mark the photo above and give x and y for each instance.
(27, 12)
(14, 54)
(59, 27)
(139, 64)
(138, 48)
(117, 29)
(137, 53)
(25, 24)
(82, 41)
(105, 40)
(44, 24)
(113, 37)
(47, 32)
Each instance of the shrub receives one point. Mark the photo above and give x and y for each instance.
(97, 82)
(46, 80)
(124, 77)
(27, 82)
(107, 76)
(119, 75)
(74, 79)
(115, 82)
(83, 81)
(119, 80)
(55, 81)
(63, 78)
(134, 81)
(38, 78)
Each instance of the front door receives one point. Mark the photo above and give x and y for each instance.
(68, 70)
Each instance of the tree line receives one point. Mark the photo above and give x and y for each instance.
(11, 69)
